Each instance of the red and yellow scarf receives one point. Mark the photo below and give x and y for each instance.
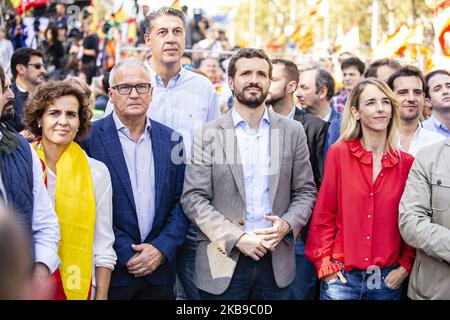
(75, 207)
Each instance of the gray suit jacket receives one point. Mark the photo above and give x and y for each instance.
(424, 222)
(214, 197)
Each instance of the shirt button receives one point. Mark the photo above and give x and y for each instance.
(241, 222)
(381, 174)
(369, 216)
(366, 259)
(368, 238)
(371, 194)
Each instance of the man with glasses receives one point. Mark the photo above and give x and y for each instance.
(147, 172)
(28, 70)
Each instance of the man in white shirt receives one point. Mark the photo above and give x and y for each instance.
(22, 188)
(437, 90)
(408, 85)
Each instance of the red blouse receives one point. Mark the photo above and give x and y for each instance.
(355, 221)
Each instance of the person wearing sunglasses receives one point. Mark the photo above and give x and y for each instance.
(28, 70)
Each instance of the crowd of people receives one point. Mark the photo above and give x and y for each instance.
(247, 178)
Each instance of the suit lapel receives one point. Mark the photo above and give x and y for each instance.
(113, 148)
(160, 160)
(230, 146)
(276, 155)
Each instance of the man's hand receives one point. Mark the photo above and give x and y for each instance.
(275, 234)
(252, 246)
(145, 261)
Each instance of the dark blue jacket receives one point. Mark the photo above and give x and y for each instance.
(170, 224)
(17, 174)
(334, 130)
(19, 102)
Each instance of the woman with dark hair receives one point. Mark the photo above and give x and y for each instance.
(54, 51)
(59, 115)
(19, 33)
(354, 239)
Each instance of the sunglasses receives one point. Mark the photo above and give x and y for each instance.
(37, 65)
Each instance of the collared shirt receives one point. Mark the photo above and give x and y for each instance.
(435, 125)
(422, 138)
(355, 220)
(292, 113)
(254, 150)
(188, 101)
(139, 159)
(103, 251)
(328, 116)
(338, 101)
(44, 224)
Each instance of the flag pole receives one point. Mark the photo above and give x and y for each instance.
(374, 38)
(252, 22)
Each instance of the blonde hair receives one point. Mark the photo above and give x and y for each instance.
(351, 128)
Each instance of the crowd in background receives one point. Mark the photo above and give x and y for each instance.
(106, 160)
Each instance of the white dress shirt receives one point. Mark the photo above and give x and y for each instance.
(45, 225)
(434, 125)
(254, 148)
(104, 254)
(422, 138)
(292, 113)
(141, 169)
(188, 101)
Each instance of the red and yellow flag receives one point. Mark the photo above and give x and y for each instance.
(22, 6)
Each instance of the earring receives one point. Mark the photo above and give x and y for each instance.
(39, 125)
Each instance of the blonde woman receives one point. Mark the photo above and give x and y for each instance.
(80, 187)
(354, 240)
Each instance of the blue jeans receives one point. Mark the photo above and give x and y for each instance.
(361, 285)
(304, 285)
(184, 286)
(252, 280)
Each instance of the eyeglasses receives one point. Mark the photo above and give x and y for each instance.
(37, 65)
(125, 88)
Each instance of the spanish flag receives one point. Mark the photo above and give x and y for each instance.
(442, 30)
(176, 5)
(22, 6)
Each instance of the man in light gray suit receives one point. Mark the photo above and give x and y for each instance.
(250, 189)
(424, 222)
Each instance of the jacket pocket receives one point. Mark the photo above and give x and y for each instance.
(440, 192)
(423, 276)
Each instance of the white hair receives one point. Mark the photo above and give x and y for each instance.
(127, 62)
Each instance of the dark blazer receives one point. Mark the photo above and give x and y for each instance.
(20, 99)
(316, 132)
(334, 129)
(214, 197)
(170, 224)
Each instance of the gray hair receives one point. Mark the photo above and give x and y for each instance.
(323, 79)
(126, 62)
(163, 11)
